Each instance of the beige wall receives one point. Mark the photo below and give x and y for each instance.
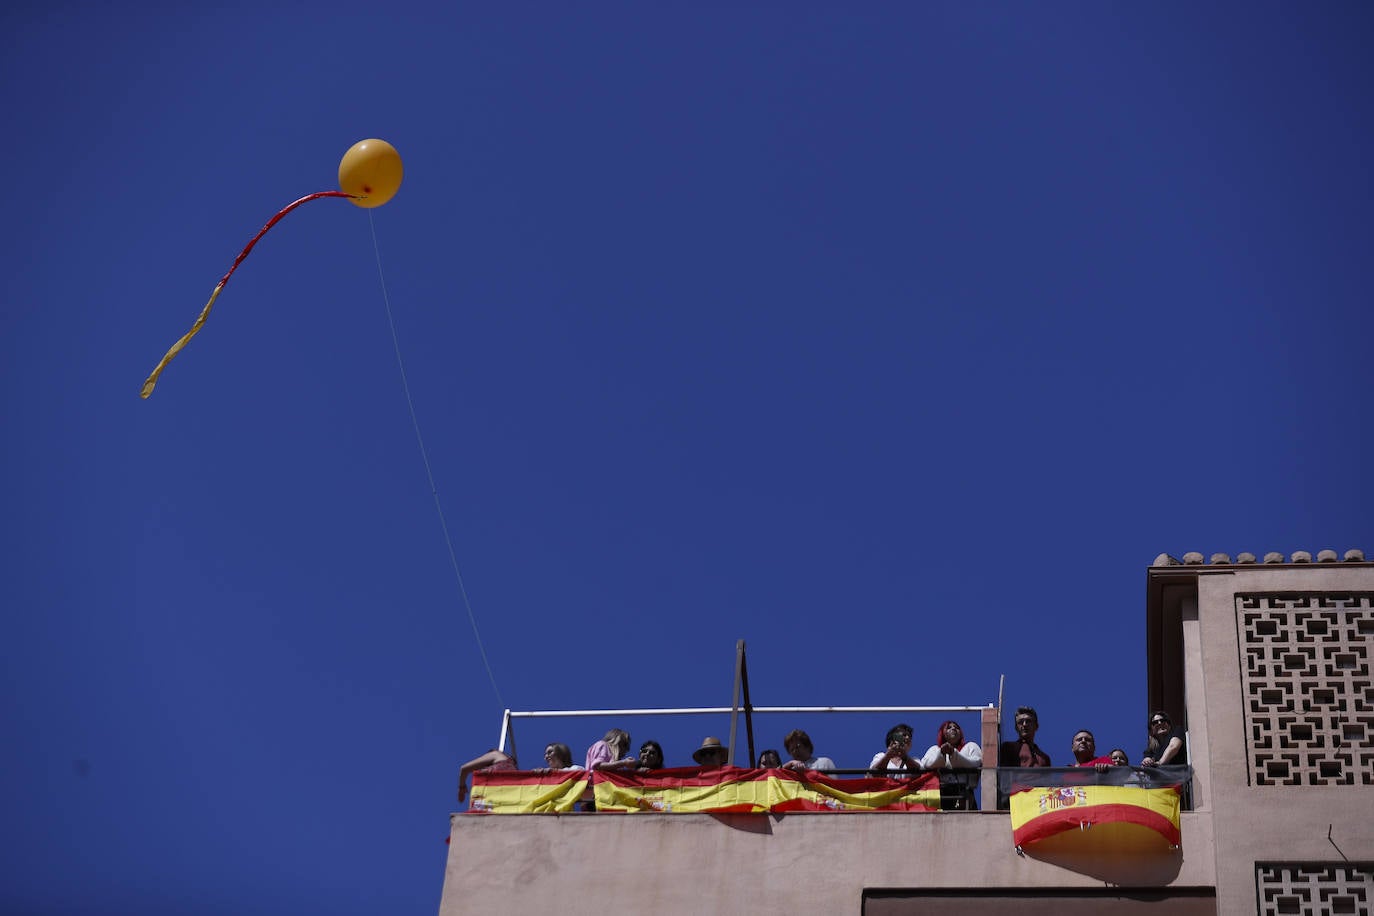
(810, 863)
(1263, 823)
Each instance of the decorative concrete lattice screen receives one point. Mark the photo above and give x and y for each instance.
(1314, 889)
(1308, 674)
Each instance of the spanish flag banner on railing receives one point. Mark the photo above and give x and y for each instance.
(815, 792)
(522, 792)
(684, 789)
(739, 790)
(693, 790)
(1127, 805)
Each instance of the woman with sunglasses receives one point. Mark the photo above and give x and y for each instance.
(1166, 745)
(650, 756)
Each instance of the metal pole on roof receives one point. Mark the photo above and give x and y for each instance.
(748, 704)
(992, 799)
(1001, 686)
(507, 734)
(734, 698)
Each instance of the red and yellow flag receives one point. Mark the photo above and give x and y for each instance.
(684, 789)
(815, 792)
(1134, 814)
(521, 792)
(739, 790)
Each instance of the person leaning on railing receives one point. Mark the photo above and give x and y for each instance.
(650, 756)
(491, 760)
(712, 755)
(557, 756)
(798, 744)
(949, 755)
(898, 753)
(611, 752)
(950, 751)
(1084, 747)
(1166, 742)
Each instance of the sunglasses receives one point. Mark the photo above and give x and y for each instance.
(1159, 721)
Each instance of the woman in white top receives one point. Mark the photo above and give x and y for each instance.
(950, 750)
(898, 753)
(949, 754)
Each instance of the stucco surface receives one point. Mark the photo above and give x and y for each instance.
(689, 863)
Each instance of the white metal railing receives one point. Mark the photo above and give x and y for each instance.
(508, 735)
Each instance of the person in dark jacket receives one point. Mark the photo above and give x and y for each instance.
(1023, 752)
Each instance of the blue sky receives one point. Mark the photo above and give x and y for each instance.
(896, 341)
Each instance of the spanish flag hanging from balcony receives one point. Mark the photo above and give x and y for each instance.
(523, 792)
(1106, 812)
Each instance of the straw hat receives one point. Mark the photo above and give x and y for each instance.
(708, 745)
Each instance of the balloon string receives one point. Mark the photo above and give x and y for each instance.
(429, 473)
(151, 382)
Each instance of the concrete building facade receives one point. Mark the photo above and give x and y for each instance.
(1269, 663)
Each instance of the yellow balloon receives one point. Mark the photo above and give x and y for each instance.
(371, 172)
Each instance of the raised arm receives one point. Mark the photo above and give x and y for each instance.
(489, 759)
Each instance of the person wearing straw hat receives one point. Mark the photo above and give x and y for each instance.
(711, 754)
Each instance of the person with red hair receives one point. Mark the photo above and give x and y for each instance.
(950, 751)
(949, 755)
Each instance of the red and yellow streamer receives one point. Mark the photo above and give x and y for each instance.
(151, 382)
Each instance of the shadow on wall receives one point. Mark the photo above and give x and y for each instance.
(1115, 853)
(748, 823)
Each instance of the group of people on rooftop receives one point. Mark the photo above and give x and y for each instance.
(1164, 747)
(950, 752)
